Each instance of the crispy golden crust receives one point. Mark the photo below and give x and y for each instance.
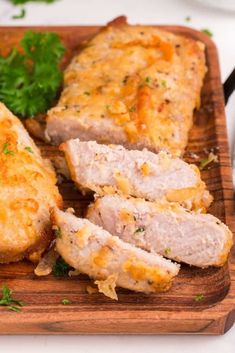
(27, 191)
(133, 85)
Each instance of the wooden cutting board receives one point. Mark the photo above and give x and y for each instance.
(173, 312)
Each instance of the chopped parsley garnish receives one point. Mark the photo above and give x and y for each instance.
(66, 301)
(187, 18)
(7, 300)
(20, 15)
(57, 232)
(163, 83)
(5, 149)
(140, 230)
(207, 32)
(61, 268)
(199, 297)
(132, 109)
(30, 77)
(167, 251)
(87, 93)
(29, 149)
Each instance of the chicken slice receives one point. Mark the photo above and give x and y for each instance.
(95, 252)
(165, 228)
(27, 192)
(107, 169)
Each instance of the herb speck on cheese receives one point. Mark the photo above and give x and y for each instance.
(29, 149)
(5, 149)
(167, 251)
(140, 230)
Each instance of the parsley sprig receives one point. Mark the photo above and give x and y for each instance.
(61, 268)
(30, 78)
(7, 300)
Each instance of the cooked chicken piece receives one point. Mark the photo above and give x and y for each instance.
(165, 228)
(106, 169)
(131, 85)
(92, 250)
(27, 192)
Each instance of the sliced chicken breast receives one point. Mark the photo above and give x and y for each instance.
(95, 252)
(27, 192)
(131, 85)
(107, 169)
(165, 228)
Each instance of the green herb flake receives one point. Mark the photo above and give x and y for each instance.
(140, 230)
(147, 79)
(187, 18)
(207, 32)
(6, 151)
(29, 149)
(204, 162)
(163, 83)
(167, 251)
(87, 93)
(199, 297)
(57, 232)
(66, 301)
(14, 308)
(61, 268)
(7, 300)
(20, 15)
(132, 109)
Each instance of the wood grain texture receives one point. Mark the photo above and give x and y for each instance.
(173, 312)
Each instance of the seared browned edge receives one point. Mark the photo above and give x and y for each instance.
(171, 312)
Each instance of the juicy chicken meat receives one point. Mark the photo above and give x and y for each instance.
(106, 169)
(131, 85)
(27, 192)
(102, 256)
(165, 228)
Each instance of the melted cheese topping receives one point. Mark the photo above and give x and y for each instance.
(123, 184)
(139, 271)
(82, 236)
(142, 79)
(100, 258)
(145, 170)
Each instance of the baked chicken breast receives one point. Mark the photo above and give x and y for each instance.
(27, 192)
(95, 252)
(131, 85)
(165, 228)
(110, 168)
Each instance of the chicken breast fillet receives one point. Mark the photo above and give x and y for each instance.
(131, 85)
(165, 228)
(95, 252)
(106, 169)
(27, 192)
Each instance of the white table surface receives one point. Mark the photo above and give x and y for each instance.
(77, 12)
